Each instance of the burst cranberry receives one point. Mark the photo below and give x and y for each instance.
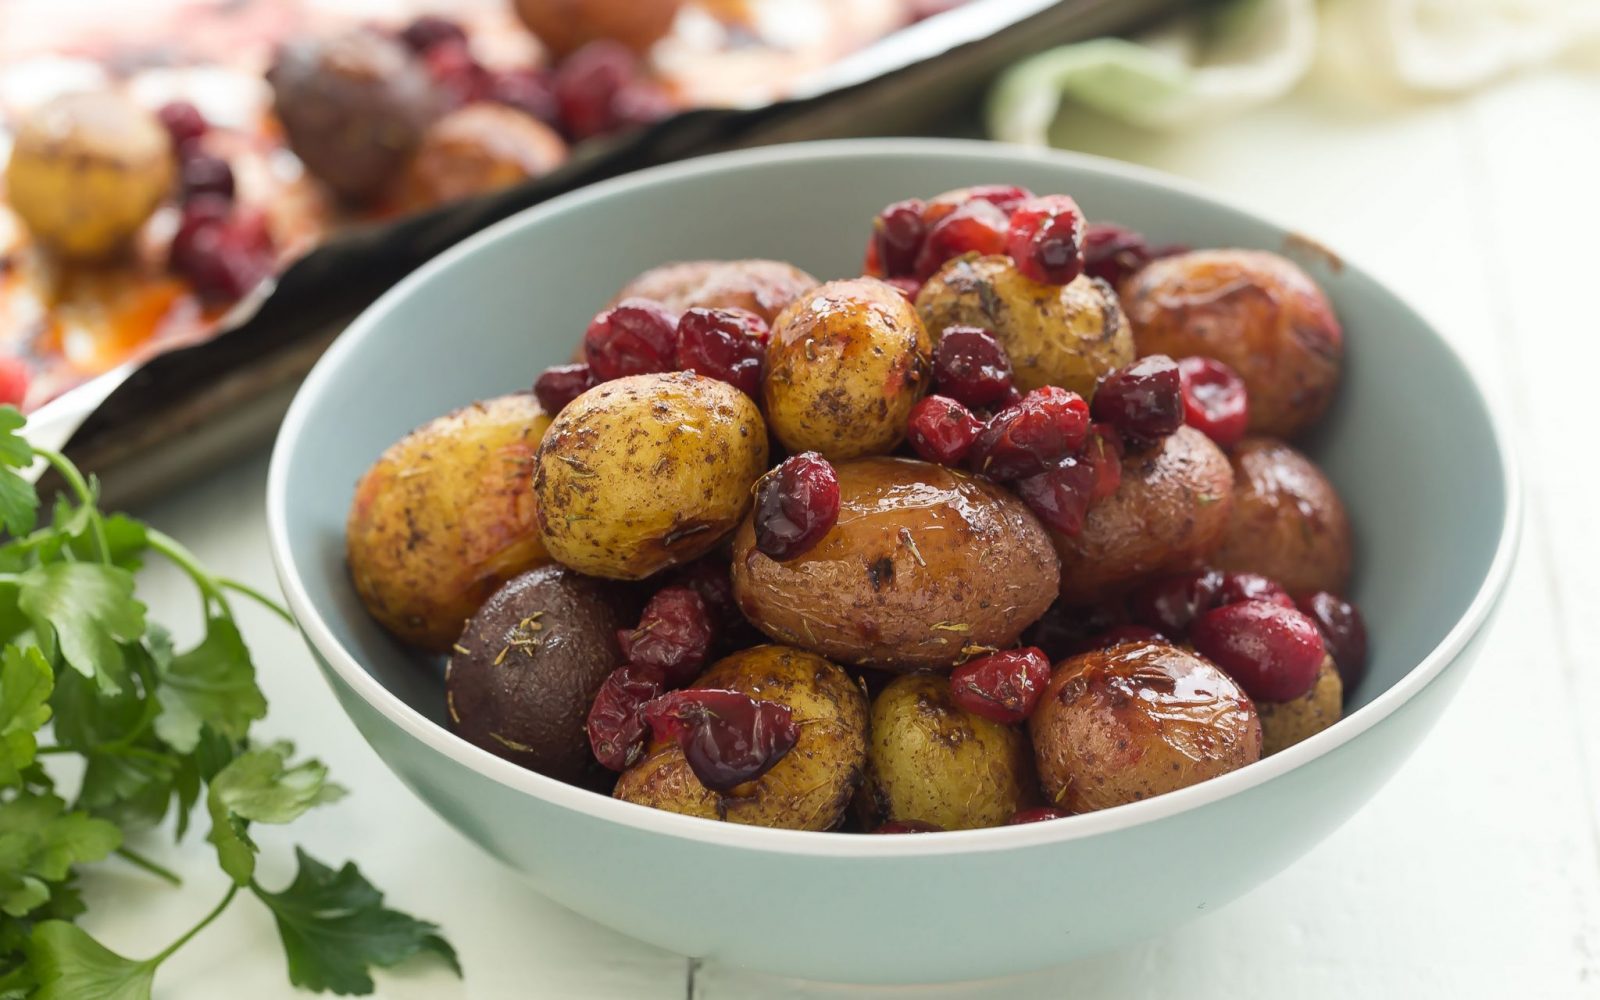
(977, 226)
(204, 174)
(527, 90)
(970, 365)
(725, 344)
(616, 723)
(561, 384)
(1060, 496)
(1002, 687)
(430, 30)
(223, 255)
(1039, 815)
(1238, 587)
(1045, 239)
(1214, 400)
(456, 73)
(897, 235)
(14, 379)
(1273, 652)
(1343, 632)
(634, 337)
(711, 577)
(1112, 252)
(587, 83)
(1143, 401)
(1031, 436)
(796, 504)
(727, 737)
(1102, 452)
(1171, 603)
(674, 635)
(909, 826)
(941, 430)
(184, 123)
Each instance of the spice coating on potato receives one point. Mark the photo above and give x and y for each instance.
(1138, 719)
(1288, 522)
(1254, 311)
(646, 472)
(846, 363)
(478, 149)
(764, 287)
(1168, 515)
(86, 171)
(810, 787)
(930, 760)
(925, 568)
(1285, 723)
(445, 517)
(1063, 335)
(526, 668)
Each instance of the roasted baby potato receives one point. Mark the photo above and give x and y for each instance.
(1138, 719)
(646, 472)
(1168, 515)
(565, 26)
(520, 679)
(476, 149)
(86, 171)
(1063, 335)
(810, 787)
(846, 363)
(926, 567)
(1285, 723)
(1254, 311)
(764, 287)
(445, 517)
(1288, 522)
(930, 760)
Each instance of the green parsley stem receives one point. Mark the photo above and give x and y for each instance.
(197, 928)
(86, 497)
(140, 861)
(238, 586)
(185, 560)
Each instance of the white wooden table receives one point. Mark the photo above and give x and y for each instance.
(1475, 873)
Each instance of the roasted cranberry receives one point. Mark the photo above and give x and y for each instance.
(1039, 815)
(796, 504)
(909, 826)
(14, 379)
(1112, 252)
(941, 430)
(1005, 197)
(616, 717)
(1272, 651)
(184, 123)
(223, 254)
(527, 90)
(1343, 632)
(1143, 401)
(1102, 452)
(1064, 631)
(1238, 587)
(674, 635)
(1002, 687)
(587, 83)
(430, 30)
(725, 344)
(1045, 239)
(970, 365)
(561, 384)
(1171, 603)
(727, 737)
(711, 577)
(897, 235)
(204, 174)
(456, 73)
(1214, 400)
(1060, 496)
(1031, 436)
(634, 337)
(978, 226)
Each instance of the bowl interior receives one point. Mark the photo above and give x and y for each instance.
(1409, 442)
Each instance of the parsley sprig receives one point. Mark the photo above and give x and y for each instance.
(85, 674)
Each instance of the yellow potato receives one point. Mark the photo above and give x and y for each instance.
(445, 516)
(646, 472)
(477, 149)
(1285, 723)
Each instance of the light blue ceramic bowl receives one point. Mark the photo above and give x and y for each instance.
(1411, 443)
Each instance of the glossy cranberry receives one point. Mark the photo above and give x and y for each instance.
(1343, 632)
(430, 30)
(1064, 631)
(14, 379)
(527, 90)
(674, 635)
(616, 723)
(634, 337)
(970, 365)
(455, 72)
(796, 504)
(1171, 603)
(1039, 815)
(223, 254)
(1215, 402)
(727, 737)
(1005, 197)
(897, 235)
(712, 578)
(1060, 496)
(1143, 401)
(561, 384)
(1272, 651)
(725, 344)
(204, 174)
(1112, 252)
(977, 226)
(909, 826)
(1102, 452)
(184, 123)
(942, 430)
(1238, 587)
(1002, 687)
(1045, 239)
(1031, 436)
(587, 83)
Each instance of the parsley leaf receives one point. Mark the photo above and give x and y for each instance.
(335, 929)
(213, 684)
(86, 610)
(260, 785)
(40, 841)
(25, 684)
(19, 503)
(71, 965)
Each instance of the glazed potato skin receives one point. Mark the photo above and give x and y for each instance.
(930, 760)
(1168, 515)
(925, 567)
(445, 517)
(1256, 312)
(476, 149)
(646, 472)
(846, 363)
(764, 287)
(1063, 335)
(1283, 724)
(1138, 719)
(810, 787)
(1288, 522)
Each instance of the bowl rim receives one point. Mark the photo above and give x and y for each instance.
(826, 844)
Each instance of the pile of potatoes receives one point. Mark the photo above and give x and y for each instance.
(520, 542)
